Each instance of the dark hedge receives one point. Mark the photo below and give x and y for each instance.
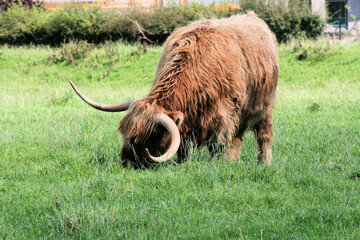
(22, 25)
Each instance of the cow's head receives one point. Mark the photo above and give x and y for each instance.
(149, 134)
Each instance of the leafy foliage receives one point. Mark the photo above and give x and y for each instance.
(22, 26)
(6, 4)
(287, 22)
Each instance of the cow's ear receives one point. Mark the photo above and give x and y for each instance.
(178, 117)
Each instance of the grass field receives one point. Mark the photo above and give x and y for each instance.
(59, 175)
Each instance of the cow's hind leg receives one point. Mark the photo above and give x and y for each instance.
(263, 131)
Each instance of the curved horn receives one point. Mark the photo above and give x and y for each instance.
(170, 125)
(103, 107)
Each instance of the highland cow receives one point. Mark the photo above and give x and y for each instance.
(215, 79)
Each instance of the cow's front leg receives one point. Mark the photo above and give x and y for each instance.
(215, 150)
(184, 150)
(234, 149)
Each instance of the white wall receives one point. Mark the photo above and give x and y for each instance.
(319, 7)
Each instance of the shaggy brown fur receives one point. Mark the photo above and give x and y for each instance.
(215, 78)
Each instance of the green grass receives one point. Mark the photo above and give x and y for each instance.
(59, 175)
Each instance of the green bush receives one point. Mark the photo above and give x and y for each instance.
(287, 22)
(75, 23)
(23, 26)
(18, 23)
(157, 25)
(6, 4)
